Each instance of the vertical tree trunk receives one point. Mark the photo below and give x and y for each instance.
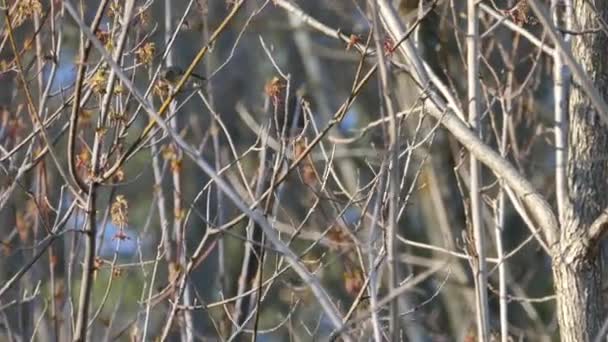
(576, 265)
(577, 283)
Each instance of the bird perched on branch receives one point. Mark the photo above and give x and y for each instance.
(173, 74)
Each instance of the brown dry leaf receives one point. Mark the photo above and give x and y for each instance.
(120, 211)
(273, 89)
(353, 281)
(145, 54)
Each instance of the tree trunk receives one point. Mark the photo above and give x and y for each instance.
(576, 264)
(577, 283)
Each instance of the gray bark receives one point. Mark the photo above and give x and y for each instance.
(576, 264)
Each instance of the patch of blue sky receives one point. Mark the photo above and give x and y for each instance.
(66, 71)
(350, 121)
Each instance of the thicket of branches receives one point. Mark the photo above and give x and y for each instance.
(303, 170)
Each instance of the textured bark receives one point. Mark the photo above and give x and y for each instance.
(577, 282)
(576, 265)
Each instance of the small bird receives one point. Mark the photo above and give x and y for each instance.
(173, 74)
